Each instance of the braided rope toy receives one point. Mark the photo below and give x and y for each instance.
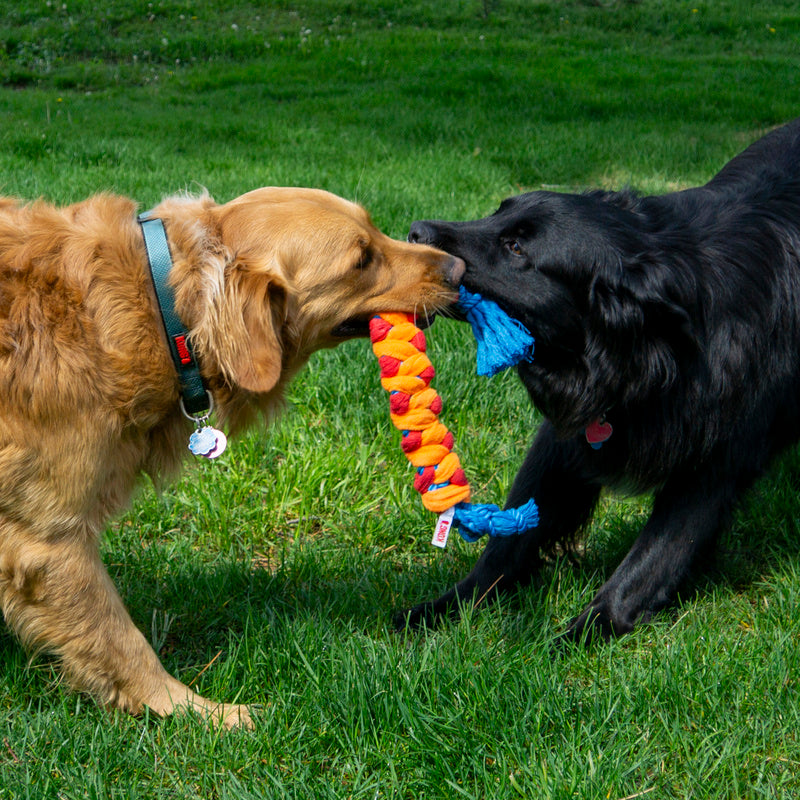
(414, 406)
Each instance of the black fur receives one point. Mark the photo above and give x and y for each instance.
(677, 318)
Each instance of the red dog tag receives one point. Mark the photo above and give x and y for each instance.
(598, 432)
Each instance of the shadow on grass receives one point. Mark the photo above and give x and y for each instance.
(189, 606)
(337, 583)
(763, 538)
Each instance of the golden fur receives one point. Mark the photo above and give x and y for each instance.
(89, 394)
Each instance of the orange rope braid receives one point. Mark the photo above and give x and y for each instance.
(414, 406)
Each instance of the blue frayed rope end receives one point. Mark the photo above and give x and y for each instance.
(502, 340)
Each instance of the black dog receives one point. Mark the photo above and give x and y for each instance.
(671, 323)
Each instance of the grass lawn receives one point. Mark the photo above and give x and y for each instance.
(271, 576)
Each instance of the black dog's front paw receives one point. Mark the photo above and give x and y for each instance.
(412, 619)
(594, 625)
(446, 608)
(425, 615)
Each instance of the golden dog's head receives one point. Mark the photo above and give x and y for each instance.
(278, 273)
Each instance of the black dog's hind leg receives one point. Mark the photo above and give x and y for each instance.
(687, 515)
(553, 474)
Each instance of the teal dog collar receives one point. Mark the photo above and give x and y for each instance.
(194, 395)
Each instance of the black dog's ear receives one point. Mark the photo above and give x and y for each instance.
(636, 317)
(614, 310)
(631, 306)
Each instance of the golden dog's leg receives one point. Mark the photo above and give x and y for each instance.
(58, 598)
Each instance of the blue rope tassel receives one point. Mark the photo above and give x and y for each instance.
(502, 340)
(474, 521)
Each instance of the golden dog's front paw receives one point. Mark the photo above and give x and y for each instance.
(232, 716)
(172, 697)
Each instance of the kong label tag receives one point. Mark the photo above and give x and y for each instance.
(443, 525)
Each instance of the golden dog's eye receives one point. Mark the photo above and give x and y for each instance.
(365, 260)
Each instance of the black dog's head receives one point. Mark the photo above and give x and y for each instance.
(583, 274)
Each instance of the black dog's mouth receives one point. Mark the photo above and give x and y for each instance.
(358, 327)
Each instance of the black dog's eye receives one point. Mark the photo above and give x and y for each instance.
(514, 247)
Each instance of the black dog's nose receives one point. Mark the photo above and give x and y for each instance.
(455, 270)
(421, 232)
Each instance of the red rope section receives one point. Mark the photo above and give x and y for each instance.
(414, 406)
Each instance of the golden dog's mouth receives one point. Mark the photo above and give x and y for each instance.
(359, 326)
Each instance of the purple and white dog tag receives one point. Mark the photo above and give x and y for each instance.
(205, 441)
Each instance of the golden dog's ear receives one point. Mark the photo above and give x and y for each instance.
(248, 340)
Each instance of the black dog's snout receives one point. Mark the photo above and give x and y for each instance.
(421, 233)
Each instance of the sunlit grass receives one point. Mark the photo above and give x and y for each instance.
(271, 575)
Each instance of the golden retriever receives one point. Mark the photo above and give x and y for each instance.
(89, 396)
